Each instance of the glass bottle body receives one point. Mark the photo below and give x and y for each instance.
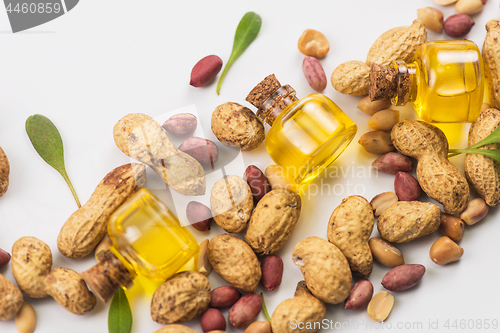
(447, 81)
(307, 136)
(148, 239)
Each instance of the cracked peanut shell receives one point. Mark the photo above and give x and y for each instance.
(349, 228)
(237, 126)
(325, 269)
(181, 298)
(483, 172)
(273, 221)
(86, 227)
(405, 221)
(231, 201)
(304, 308)
(142, 138)
(235, 262)
(4, 172)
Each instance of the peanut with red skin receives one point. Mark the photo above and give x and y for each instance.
(458, 25)
(212, 320)
(391, 163)
(360, 296)
(403, 277)
(245, 310)
(272, 272)
(4, 258)
(258, 182)
(199, 215)
(205, 70)
(180, 124)
(314, 73)
(204, 151)
(224, 296)
(406, 187)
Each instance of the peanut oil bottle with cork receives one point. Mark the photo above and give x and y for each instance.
(147, 240)
(445, 82)
(307, 135)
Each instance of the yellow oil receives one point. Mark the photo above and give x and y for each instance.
(450, 81)
(150, 238)
(308, 136)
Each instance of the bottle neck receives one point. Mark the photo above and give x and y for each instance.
(406, 82)
(108, 275)
(275, 104)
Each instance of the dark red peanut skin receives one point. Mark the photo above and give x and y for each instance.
(4, 258)
(224, 296)
(204, 151)
(212, 320)
(180, 124)
(361, 294)
(205, 71)
(314, 73)
(403, 277)
(406, 187)
(272, 272)
(257, 181)
(458, 25)
(199, 215)
(391, 163)
(245, 310)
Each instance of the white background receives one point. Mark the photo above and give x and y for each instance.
(105, 59)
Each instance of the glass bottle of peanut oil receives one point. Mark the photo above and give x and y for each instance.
(306, 135)
(147, 240)
(445, 81)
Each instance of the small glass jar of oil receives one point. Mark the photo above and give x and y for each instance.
(307, 135)
(445, 81)
(147, 240)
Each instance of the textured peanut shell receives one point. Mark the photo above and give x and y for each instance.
(304, 308)
(175, 329)
(405, 221)
(399, 43)
(181, 298)
(273, 221)
(483, 172)
(325, 269)
(437, 176)
(351, 77)
(231, 201)
(31, 262)
(491, 60)
(4, 172)
(237, 126)
(235, 262)
(140, 137)
(349, 228)
(86, 227)
(11, 299)
(70, 291)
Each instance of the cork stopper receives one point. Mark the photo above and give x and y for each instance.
(261, 92)
(383, 82)
(107, 276)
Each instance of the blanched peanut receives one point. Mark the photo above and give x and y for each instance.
(313, 43)
(382, 201)
(376, 142)
(25, 319)
(386, 253)
(432, 18)
(452, 226)
(476, 210)
(380, 306)
(384, 120)
(276, 176)
(259, 327)
(444, 251)
(469, 6)
(369, 107)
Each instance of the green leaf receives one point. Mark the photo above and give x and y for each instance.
(492, 153)
(120, 315)
(494, 137)
(247, 30)
(264, 308)
(48, 143)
